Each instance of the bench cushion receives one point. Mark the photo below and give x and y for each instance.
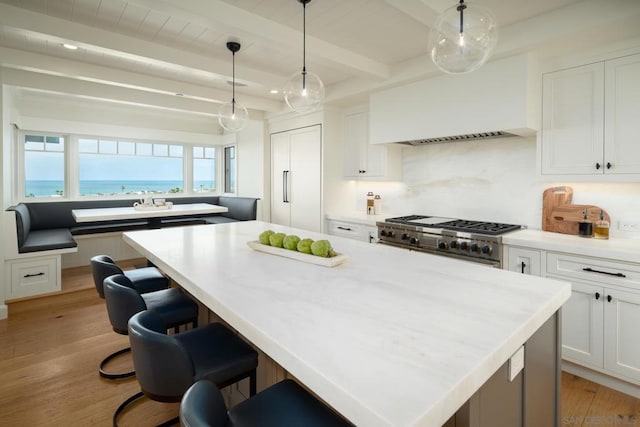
(219, 219)
(23, 222)
(115, 226)
(47, 240)
(240, 208)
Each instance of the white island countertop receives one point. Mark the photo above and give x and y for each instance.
(389, 338)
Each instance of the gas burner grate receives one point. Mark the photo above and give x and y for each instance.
(491, 228)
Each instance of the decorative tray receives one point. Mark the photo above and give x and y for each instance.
(140, 207)
(299, 256)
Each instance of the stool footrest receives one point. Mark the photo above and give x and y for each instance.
(115, 376)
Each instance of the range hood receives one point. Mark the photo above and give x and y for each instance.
(498, 100)
(455, 138)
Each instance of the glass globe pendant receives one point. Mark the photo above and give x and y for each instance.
(462, 38)
(304, 91)
(233, 116)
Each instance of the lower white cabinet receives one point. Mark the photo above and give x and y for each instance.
(352, 230)
(523, 260)
(32, 276)
(600, 321)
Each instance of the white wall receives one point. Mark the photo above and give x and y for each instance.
(250, 143)
(493, 180)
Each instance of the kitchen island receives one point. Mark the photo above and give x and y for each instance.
(388, 338)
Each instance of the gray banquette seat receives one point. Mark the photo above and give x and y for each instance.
(43, 226)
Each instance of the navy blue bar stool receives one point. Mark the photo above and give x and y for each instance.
(284, 404)
(167, 365)
(147, 279)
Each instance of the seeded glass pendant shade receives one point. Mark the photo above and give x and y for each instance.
(233, 116)
(304, 91)
(462, 38)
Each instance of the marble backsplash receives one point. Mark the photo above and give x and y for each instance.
(491, 180)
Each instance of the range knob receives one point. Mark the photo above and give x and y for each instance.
(390, 233)
(413, 240)
(383, 233)
(464, 246)
(474, 247)
(453, 244)
(442, 245)
(405, 236)
(486, 249)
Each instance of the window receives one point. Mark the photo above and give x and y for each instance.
(44, 162)
(230, 169)
(111, 167)
(204, 169)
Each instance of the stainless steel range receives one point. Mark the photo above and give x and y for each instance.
(476, 241)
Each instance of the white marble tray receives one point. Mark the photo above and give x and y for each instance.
(299, 256)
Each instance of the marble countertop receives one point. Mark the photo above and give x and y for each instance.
(627, 250)
(389, 338)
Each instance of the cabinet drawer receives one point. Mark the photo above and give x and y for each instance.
(346, 229)
(33, 277)
(594, 269)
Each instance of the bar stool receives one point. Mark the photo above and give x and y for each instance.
(284, 404)
(145, 279)
(167, 365)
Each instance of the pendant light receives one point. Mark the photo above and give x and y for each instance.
(304, 92)
(462, 38)
(233, 116)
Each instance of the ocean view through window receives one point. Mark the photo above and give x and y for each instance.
(65, 166)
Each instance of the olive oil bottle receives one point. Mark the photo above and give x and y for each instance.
(601, 230)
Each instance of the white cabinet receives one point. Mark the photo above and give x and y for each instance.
(296, 178)
(600, 320)
(582, 325)
(589, 120)
(32, 276)
(353, 230)
(364, 160)
(523, 260)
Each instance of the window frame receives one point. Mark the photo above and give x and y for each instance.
(72, 167)
(224, 169)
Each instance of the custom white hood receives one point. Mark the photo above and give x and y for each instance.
(500, 99)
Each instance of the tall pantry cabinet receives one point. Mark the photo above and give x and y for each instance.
(296, 160)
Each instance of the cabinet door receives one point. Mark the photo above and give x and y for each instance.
(304, 178)
(355, 140)
(522, 260)
(280, 211)
(621, 342)
(572, 121)
(582, 325)
(622, 127)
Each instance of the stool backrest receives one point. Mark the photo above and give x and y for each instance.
(203, 406)
(102, 266)
(123, 301)
(163, 366)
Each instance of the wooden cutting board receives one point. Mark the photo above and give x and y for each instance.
(560, 216)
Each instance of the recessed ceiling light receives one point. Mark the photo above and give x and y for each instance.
(274, 91)
(69, 46)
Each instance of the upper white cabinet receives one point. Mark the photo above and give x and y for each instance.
(364, 160)
(589, 120)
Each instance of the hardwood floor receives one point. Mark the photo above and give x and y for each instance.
(50, 349)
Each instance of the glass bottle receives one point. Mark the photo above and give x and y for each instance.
(585, 227)
(370, 207)
(601, 230)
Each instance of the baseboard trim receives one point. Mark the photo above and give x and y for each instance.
(4, 311)
(601, 378)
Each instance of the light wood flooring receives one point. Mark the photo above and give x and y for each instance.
(50, 349)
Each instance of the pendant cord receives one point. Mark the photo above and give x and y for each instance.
(461, 9)
(304, 45)
(233, 85)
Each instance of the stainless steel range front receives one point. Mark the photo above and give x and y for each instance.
(476, 241)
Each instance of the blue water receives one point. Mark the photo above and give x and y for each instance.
(102, 188)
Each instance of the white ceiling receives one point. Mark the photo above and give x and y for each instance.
(147, 51)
